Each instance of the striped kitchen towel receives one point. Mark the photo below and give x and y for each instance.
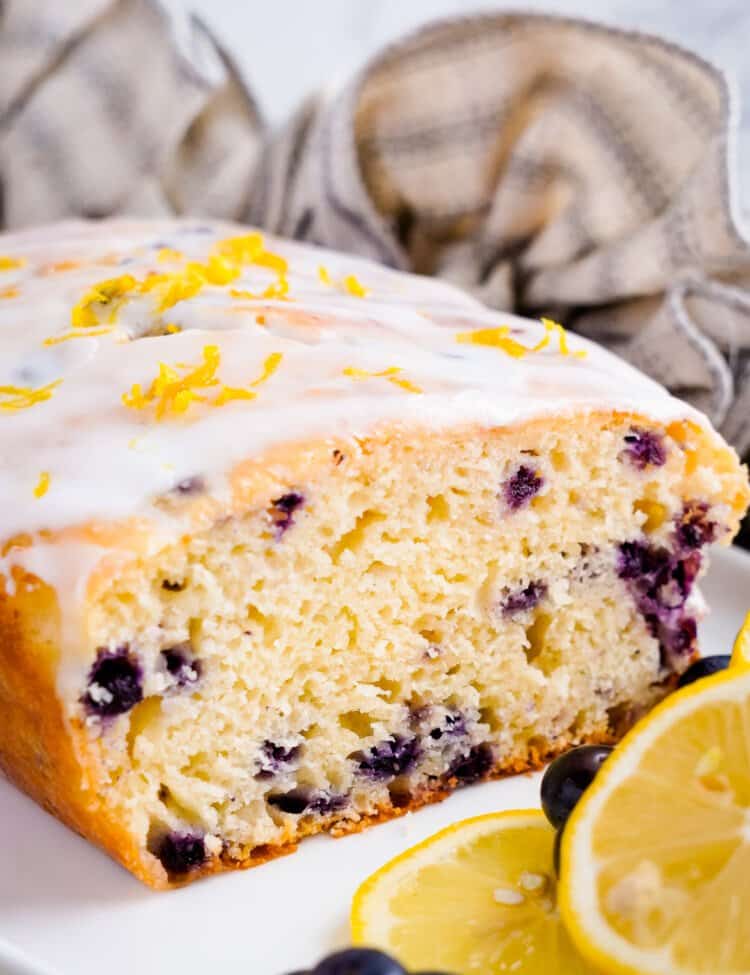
(548, 165)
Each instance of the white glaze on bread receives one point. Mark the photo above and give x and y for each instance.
(108, 462)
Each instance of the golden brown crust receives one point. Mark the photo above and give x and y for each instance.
(39, 750)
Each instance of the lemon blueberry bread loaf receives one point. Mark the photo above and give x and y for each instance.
(291, 542)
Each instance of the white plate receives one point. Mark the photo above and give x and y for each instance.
(66, 909)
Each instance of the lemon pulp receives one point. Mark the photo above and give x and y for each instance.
(656, 857)
(476, 899)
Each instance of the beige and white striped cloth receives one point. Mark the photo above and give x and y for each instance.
(548, 165)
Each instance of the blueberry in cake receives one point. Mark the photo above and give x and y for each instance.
(292, 543)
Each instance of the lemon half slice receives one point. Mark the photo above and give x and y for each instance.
(656, 856)
(478, 898)
(741, 649)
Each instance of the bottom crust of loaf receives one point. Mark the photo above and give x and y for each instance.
(425, 795)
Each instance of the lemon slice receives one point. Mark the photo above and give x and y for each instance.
(741, 649)
(478, 898)
(656, 855)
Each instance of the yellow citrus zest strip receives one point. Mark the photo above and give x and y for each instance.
(221, 268)
(9, 292)
(168, 254)
(499, 337)
(106, 296)
(406, 384)
(244, 249)
(11, 263)
(391, 374)
(23, 397)
(89, 333)
(172, 394)
(172, 329)
(42, 485)
(350, 283)
(555, 327)
(250, 249)
(355, 287)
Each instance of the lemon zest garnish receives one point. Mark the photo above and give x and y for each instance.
(9, 292)
(250, 249)
(22, 397)
(562, 336)
(11, 263)
(229, 393)
(270, 366)
(355, 287)
(500, 338)
(57, 267)
(171, 288)
(406, 384)
(172, 329)
(244, 249)
(364, 374)
(106, 296)
(169, 254)
(279, 290)
(350, 283)
(391, 374)
(274, 262)
(89, 333)
(171, 393)
(217, 270)
(42, 485)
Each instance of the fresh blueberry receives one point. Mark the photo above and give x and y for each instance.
(181, 665)
(275, 758)
(299, 801)
(694, 528)
(704, 668)
(282, 511)
(171, 586)
(181, 853)
(115, 683)
(660, 582)
(295, 802)
(190, 485)
(474, 766)
(521, 487)
(359, 961)
(521, 600)
(567, 778)
(390, 758)
(324, 803)
(454, 726)
(645, 449)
